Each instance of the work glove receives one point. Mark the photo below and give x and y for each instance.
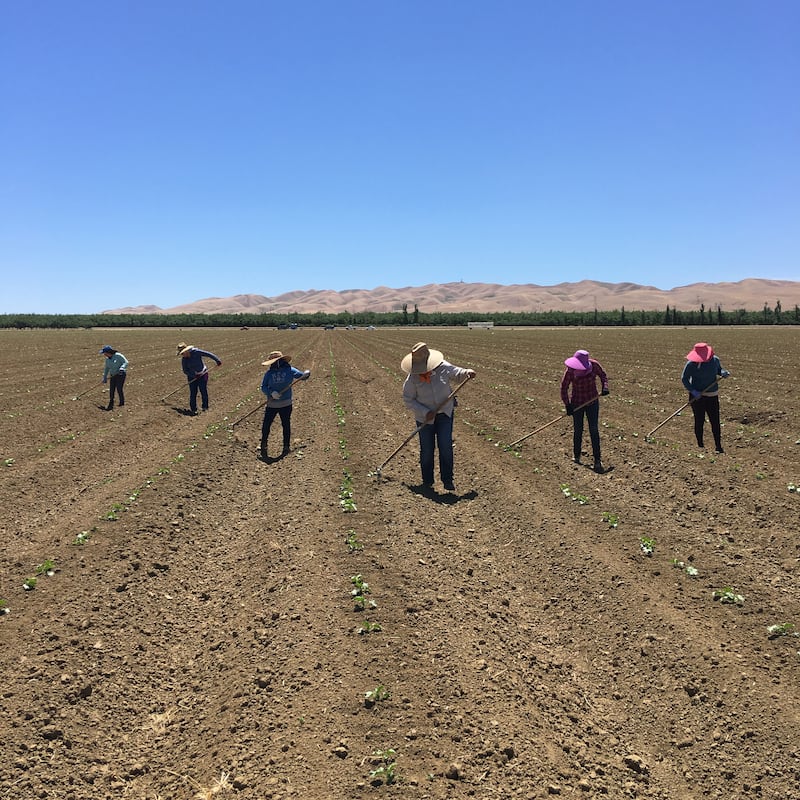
(604, 392)
(276, 395)
(725, 373)
(569, 408)
(694, 393)
(306, 374)
(105, 380)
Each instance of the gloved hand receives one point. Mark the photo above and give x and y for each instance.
(276, 395)
(306, 375)
(105, 380)
(725, 373)
(569, 408)
(694, 393)
(604, 392)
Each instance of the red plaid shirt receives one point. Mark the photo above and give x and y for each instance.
(584, 384)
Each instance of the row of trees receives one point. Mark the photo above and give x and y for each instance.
(615, 318)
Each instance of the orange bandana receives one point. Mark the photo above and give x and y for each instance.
(425, 377)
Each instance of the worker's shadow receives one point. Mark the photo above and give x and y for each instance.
(443, 498)
(184, 411)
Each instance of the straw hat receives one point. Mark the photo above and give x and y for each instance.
(186, 348)
(181, 345)
(274, 356)
(421, 359)
(700, 353)
(580, 361)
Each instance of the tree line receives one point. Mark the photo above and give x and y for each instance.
(617, 318)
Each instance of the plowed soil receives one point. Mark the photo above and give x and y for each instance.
(199, 636)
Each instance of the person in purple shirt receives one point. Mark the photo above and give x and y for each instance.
(582, 373)
(196, 373)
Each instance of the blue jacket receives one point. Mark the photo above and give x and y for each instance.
(277, 378)
(192, 364)
(702, 377)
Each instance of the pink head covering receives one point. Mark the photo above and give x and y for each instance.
(700, 353)
(580, 361)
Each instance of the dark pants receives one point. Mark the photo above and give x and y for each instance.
(707, 407)
(285, 414)
(592, 414)
(115, 385)
(438, 433)
(198, 384)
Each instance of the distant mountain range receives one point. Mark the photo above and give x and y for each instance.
(750, 294)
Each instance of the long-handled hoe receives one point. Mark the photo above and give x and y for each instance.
(419, 427)
(188, 383)
(547, 425)
(262, 404)
(90, 389)
(675, 413)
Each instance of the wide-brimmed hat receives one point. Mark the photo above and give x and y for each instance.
(186, 348)
(274, 356)
(580, 361)
(181, 345)
(700, 353)
(421, 359)
(108, 349)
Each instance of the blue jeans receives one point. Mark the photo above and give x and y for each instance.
(437, 433)
(592, 413)
(285, 413)
(200, 383)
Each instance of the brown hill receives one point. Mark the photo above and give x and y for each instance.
(750, 294)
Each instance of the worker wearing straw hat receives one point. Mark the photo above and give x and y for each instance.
(426, 393)
(699, 377)
(277, 386)
(196, 373)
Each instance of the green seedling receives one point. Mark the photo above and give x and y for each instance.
(47, 567)
(4, 609)
(7, 462)
(359, 593)
(784, 629)
(352, 541)
(370, 627)
(386, 771)
(30, 584)
(570, 495)
(611, 519)
(691, 571)
(647, 545)
(793, 488)
(728, 596)
(83, 537)
(376, 695)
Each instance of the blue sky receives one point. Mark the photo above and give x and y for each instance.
(164, 151)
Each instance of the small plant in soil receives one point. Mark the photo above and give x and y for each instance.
(782, 629)
(793, 488)
(82, 537)
(30, 584)
(690, 570)
(7, 462)
(4, 609)
(47, 567)
(369, 627)
(352, 541)
(359, 593)
(570, 495)
(647, 545)
(612, 520)
(386, 771)
(376, 695)
(728, 596)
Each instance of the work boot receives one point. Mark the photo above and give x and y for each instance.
(264, 449)
(599, 468)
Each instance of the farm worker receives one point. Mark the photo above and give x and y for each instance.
(277, 386)
(425, 393)
(582, 373)
(700, 379)
(196, 373)
(116, 367)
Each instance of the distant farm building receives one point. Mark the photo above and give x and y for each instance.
(480, 324)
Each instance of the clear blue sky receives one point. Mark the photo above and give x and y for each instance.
(164, 151)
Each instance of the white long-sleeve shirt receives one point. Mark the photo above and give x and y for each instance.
(420, 396)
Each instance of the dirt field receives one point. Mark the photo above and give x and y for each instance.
(203, 641)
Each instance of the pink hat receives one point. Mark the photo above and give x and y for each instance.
(580, 361)
(700, 353)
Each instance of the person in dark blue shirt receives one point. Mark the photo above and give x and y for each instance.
(196, 373)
